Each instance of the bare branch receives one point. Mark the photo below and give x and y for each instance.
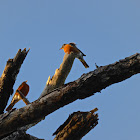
(20, 135)
(85, 86)
(60, 75)
(8, 77)
(25, 100)
(77, 125)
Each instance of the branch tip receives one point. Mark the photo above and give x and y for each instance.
(28, 50)
(94, 110)
(96, 66)
(24, 49)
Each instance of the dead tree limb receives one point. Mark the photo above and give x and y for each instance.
(20, 135)
(8, 77)
(77, 125)
(60, 75)
(85, 86)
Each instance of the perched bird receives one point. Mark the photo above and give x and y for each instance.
(24, 88)
(71, 48)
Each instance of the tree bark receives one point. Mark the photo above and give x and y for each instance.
(85, 86)
(20, 135)
(8, 77)
(77, 125)
(60, 75)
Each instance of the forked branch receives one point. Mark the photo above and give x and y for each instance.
(85, 86)
(8, 77)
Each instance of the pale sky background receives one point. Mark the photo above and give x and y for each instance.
(105, 30)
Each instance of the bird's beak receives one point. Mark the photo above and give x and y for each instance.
(26, 80)
(60, 48)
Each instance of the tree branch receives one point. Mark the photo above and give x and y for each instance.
(8, 77)
(20, 135)
(25, 100)
(60, 75)
(77, 125)
(85, 86)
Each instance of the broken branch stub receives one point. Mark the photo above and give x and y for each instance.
(8, 77)
(60, 75)
(77, 125)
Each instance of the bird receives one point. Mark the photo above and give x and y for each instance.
(71, 48)
(24, 88)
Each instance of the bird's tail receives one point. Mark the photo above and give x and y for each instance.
(84, 63)
(10, 106)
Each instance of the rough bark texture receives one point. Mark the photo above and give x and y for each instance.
(85, 86)
(60, 75)
(20, 135)
(8, 77)
(58, 79)
(77, 125)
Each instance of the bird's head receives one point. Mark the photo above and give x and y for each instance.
(62, 47)
(25, 82)
(72, 44)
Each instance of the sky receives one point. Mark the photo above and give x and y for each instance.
(105, 30)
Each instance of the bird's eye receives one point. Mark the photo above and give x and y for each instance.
(63, 45)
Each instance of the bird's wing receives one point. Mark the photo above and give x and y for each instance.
(82, 52)
(77, 50)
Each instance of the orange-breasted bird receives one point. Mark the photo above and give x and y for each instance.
(24, 88)
(71, 48)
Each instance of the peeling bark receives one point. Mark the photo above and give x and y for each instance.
(85, 86)
(77, 125)
(8, 77)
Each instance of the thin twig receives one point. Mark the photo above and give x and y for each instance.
(25, 100)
